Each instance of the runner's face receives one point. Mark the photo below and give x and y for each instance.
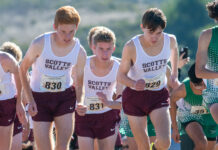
(152, 36)
(104, 50)
(66, 32)
(201, 86)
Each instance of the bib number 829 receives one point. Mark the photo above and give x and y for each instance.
(152, 84)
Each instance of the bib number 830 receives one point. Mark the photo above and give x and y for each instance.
(53, 85)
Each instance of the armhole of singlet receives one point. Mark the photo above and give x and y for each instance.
(88, 63)
(76, 49)
(137, 48)
(1, 68)
(115, 65)
(47, 44)
(213, 35)
(167, 43)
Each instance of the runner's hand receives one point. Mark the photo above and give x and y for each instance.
(183, 61)
(102, 97)
(81, 109)
(32, 108)
(176, 136)
(139, 85)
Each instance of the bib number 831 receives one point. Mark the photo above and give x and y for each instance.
(96, 106)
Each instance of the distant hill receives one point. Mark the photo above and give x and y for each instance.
(22, 20)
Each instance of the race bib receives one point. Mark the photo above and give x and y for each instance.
(94, 104)
(52, 84)
(154, 83)
(198, 110)
(216, 83)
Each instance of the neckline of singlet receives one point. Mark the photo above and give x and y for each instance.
(143, 51)
(48, 39)
(89, 67)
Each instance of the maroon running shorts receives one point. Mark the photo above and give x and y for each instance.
(53, 104)
(7, 111)
(98, 126)
(141, 103)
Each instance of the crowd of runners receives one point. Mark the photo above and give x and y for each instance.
(100, 102)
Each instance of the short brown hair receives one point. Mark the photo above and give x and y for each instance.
(13, 49)
(66, 15)
(212, 8)
(153, 18)
(104, 34)
(91, 33)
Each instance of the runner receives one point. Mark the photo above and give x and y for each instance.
(10, 100)
(193, 117)
(51, 93)
(143, 71)
(207, 60)
(102, 118)
(125, 127)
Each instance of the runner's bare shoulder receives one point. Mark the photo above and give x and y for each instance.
(7, 61)
(130, 48)
(37, 45)
(173, 41)
(206, 35)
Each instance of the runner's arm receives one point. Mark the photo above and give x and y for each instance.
(114, 104)
(176, 95)
(79, 73)
(126, 62)
(13, 67)
(202, 57)
(32, 54)
(174, 57)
